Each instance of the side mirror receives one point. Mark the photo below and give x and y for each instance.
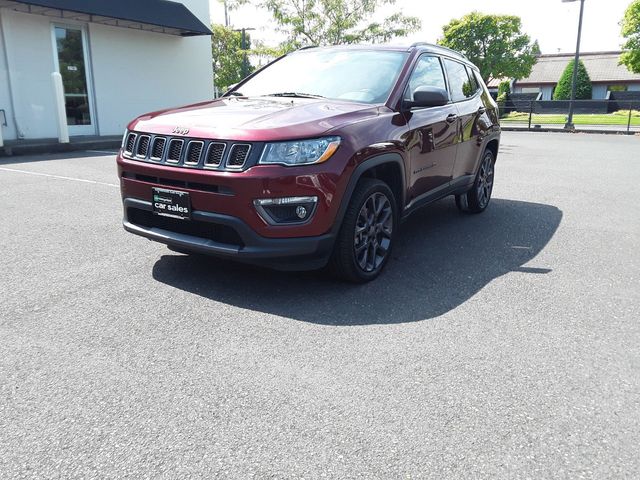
(428, 97)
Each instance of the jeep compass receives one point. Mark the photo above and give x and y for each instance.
(315, 159)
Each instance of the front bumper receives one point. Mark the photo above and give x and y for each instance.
(227, 236)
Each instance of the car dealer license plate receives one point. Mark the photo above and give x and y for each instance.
(171, 203)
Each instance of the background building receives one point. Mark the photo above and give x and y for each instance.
(117, 58)
(604, 70)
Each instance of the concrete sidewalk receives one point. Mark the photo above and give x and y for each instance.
(51, 145)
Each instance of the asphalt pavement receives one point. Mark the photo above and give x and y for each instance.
(501, 345)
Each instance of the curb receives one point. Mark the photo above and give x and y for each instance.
(562, 130)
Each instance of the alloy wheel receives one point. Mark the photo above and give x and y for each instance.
(373, 232)
(485, 181)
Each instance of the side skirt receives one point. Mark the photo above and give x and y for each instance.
(455, 187)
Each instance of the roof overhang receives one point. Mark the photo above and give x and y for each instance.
(161, 16)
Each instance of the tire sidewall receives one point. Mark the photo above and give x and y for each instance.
(365, 189)
(472, 198)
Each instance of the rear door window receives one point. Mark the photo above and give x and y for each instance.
(459, 82)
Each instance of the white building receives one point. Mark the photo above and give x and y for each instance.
(604, 69)
(117, 58)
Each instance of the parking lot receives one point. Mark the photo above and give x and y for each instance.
(501, 345)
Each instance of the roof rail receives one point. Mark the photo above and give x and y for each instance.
(447, 49)
(307, 47)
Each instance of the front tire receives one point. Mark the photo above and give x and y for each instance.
(364, 243)
(477, 199)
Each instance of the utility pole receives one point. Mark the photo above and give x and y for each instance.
(226, 14)
(569, 125)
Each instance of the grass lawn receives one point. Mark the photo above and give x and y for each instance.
(616, 118)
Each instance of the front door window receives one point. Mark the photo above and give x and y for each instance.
(72, 65)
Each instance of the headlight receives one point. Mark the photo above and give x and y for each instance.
(124, 138)
(300, 152)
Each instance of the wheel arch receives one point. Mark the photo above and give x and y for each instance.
(388, 167)
(493, 145)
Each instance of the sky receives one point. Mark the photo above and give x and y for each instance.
(553, 23)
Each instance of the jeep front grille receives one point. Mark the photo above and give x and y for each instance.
(238, 155)
(158, 148)
(194, 150)
(175, 150)
(189, 152)
(214, 154)
(130, 143)
(143, 146)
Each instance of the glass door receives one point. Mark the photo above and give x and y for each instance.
(71, 62)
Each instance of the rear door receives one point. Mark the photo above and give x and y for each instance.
(432, 138)
(466, 93)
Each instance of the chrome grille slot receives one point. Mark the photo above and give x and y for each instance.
(215, 152)
(157, 149)
(175, 150)
(143, 146)
(194, 150)
(238, 155)
(130, 143)
(188, 152)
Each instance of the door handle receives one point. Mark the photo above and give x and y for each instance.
(482, 110)
(452, 118)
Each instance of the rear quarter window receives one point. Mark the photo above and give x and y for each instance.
(459, 82)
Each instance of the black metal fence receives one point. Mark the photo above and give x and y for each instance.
(589, 115)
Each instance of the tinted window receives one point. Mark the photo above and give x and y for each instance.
(427, 73)
(459, 82)
(474, 82)
(357, 75)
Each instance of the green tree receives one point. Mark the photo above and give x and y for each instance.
(583, 83)
(333, 22)
(631, 32)
(495, 43)
(228, 56)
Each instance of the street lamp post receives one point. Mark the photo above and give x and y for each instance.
(569, 125)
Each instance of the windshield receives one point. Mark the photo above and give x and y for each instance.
(357, 75)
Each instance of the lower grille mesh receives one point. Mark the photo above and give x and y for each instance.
(212, 231)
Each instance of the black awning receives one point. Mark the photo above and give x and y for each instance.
(160, 16)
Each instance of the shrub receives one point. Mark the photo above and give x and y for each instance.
(625, 113)
(504, 88)
(583, 83)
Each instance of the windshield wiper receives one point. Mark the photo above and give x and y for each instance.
(293, 95)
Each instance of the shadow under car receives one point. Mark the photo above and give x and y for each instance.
(441, 259)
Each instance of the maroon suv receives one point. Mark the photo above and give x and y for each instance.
(314, 159)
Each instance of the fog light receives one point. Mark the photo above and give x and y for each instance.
(286, 210)
(301, 212)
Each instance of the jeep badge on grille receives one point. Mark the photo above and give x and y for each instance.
(180, 131)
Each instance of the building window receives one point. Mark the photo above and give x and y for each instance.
(617, 88)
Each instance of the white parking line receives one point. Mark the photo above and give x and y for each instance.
(60, 177)
(110, 152)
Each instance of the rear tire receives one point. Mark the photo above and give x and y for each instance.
(477, 199)
(364, 243)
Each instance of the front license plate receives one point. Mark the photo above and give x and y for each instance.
(171, 203)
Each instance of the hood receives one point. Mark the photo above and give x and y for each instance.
(255, 119)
